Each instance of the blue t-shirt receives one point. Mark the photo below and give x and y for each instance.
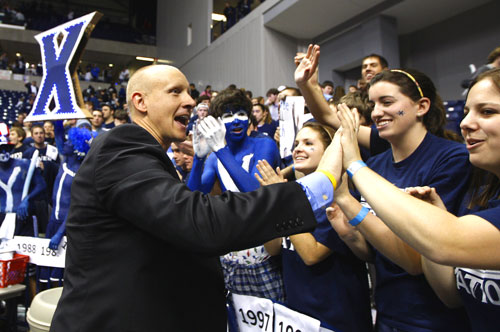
(377, 143)
(17, 153)
(404, 301)
(480, 289)
(335, 290)
(268, 129)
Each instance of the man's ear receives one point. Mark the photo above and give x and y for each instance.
(424, 104)
(139, 101)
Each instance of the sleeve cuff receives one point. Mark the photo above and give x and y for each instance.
(318, 189)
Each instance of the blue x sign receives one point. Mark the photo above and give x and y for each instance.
(61, 48)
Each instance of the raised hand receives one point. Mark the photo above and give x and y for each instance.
(200, 144)
(267, 174)
(214, 132)
(307, 65)
(349, 120)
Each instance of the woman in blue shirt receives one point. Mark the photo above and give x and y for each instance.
(444, 240)
(409, 114)
(321, 275)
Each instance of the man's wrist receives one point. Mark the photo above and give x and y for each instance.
(330, 176)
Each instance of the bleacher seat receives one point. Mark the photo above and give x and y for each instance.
(454, 114)
(8, 101)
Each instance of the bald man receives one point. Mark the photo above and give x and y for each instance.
(142, 248)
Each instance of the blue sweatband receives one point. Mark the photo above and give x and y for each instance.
(359, 217)
(354, 167)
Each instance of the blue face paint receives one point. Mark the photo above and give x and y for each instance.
(401, 112)
(236, 123)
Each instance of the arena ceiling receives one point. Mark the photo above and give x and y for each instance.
(291, 17)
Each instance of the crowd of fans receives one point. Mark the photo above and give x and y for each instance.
(402, 137)
(395, 107)
(90, 73)
(41, 16)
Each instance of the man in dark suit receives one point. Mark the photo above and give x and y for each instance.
(142, 248)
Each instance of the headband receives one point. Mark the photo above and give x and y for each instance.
(411, 78)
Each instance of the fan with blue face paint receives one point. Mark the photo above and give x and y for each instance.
(233, 163)
(234, 160)
(236, 122)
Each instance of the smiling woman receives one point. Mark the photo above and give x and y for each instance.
(310, 143)
(320, 262)
(471, 242)
(409, 114)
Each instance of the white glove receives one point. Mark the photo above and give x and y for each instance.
(214, 132)
(200, 144)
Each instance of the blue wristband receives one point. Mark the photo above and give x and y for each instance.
(359, 217)
(354, 167)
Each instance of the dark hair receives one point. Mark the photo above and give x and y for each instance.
(202, 98)
(327, 83)
(272, 91)
(484, 185)
(121, 114)
(435, 119)
(381, 59)
(325, 133)
(230, 98)
(359, 101)
(36, 126)
(493, 55)
(294, 91)
(109, 105)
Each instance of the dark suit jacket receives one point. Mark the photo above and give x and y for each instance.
(143, 249)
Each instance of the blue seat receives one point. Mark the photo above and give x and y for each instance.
(454, 114)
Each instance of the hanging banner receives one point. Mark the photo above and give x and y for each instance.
(38, 250)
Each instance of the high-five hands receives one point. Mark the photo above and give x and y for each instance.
(214, 132)
(331, 161)
(349, 120)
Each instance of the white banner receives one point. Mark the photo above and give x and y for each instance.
(254, 314)
(287, 320)
(38, 250)
(291, 120)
